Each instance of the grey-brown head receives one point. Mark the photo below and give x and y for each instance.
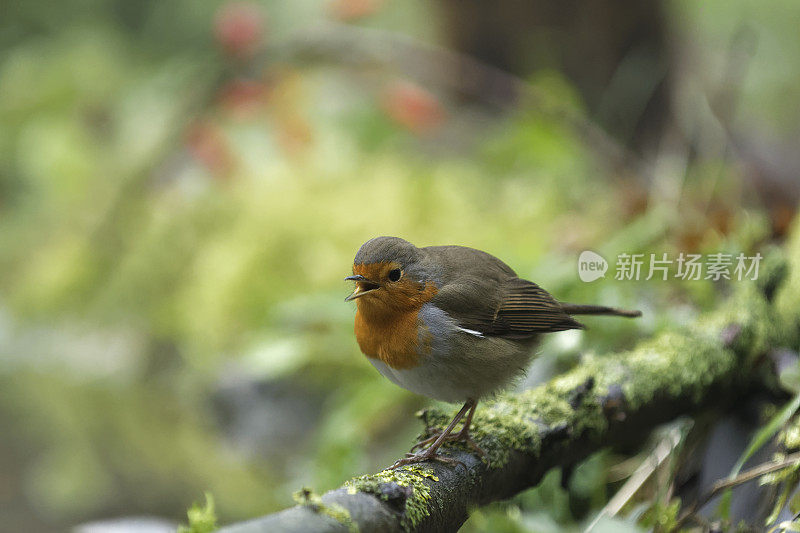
(390, 269)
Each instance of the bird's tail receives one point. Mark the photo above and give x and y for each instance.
(577, 309)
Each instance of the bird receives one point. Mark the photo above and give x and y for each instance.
(452, 323)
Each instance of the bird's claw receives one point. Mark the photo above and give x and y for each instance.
(413, 458)
(460, 436)
(429, 440)
(472, 444)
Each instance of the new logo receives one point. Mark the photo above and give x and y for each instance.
(591, 266)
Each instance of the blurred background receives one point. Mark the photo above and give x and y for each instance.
(184, 184)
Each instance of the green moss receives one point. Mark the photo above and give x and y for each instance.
(515, 422)
(789, 437)
(661, 516)
(308, 498)
(762, 325)
(417, 505)
(202, 518)
(677, 364)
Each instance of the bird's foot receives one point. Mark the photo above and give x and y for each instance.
(461, 436)
(427, 455)
(464, 436)
(430, 440)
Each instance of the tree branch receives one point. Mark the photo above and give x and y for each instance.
(605, 401)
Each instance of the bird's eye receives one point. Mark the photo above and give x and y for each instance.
(394, 275)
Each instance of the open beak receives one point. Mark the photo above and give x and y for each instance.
(363, 286)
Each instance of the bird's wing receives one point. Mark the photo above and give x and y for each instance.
(484, 295)
(527, 309)
(511, 308)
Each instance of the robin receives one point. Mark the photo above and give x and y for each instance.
(452, 323)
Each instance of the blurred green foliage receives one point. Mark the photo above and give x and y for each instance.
(175, 224)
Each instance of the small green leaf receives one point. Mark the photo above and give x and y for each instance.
(202, 519)
(779, 503)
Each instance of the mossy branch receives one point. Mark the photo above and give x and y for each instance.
(606, 401)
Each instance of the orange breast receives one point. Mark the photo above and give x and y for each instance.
(394, 341)
(388, 326)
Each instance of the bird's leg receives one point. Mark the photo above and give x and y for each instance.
(437, 432)
(430, 452)
(462, 435)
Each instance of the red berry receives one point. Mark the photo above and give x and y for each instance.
(413, 107)
(242, 97)
(348, 10)
(239, 28)
(207, 144)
